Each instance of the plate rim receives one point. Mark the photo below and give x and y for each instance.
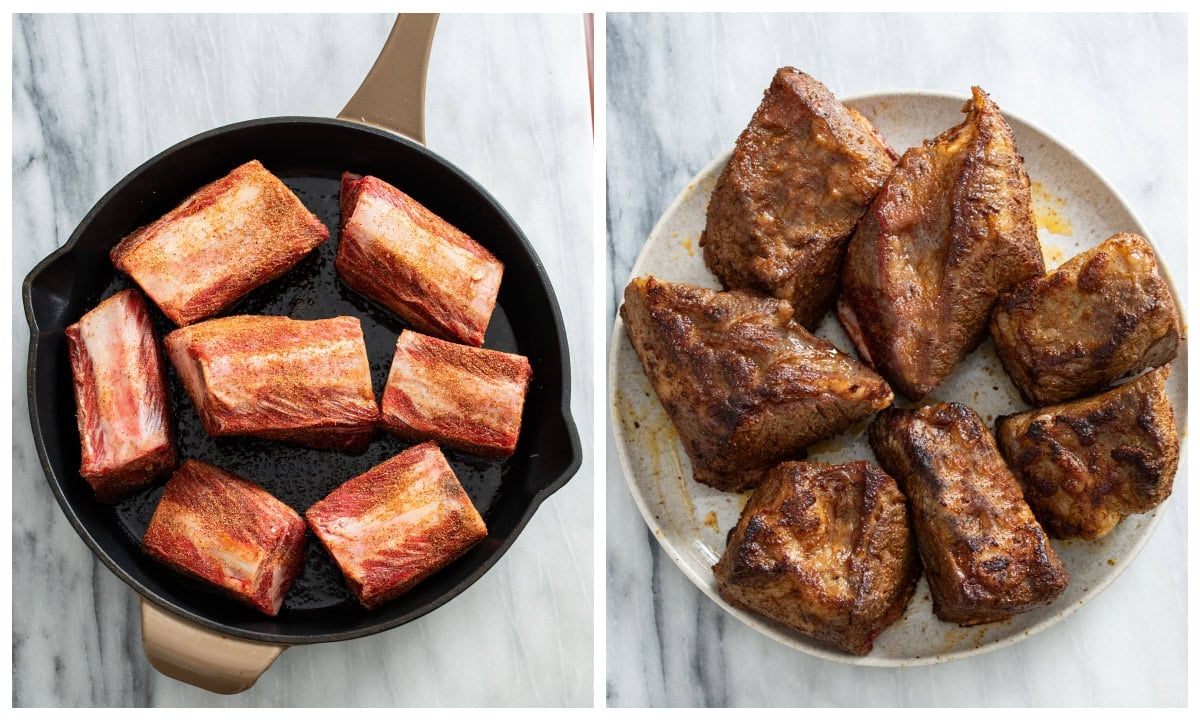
(793, 639)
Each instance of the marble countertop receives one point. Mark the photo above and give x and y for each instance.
(680, 89)
(507, 101)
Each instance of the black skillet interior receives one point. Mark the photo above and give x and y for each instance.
(309, 155)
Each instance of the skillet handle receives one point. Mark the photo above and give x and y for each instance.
(198, 656)
(392, 96)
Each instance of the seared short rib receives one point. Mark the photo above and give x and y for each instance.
(1103, 314)
(826, 550)
(397, 524)
(801, 175)
(985, 555)
(745, 385)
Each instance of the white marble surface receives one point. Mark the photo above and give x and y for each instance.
(507, 102)
(680, 89)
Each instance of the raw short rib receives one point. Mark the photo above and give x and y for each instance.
(397, 524)
(226, 239)
(827, 550)
(746, 386)
(216, 527)
(303, 381)
(1102, 315)
(464, 397)
(126, 433)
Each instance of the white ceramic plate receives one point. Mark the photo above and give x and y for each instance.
(1076, 210)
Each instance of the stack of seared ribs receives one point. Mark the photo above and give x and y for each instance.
(920, 256)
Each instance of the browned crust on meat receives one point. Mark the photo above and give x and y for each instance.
(1104, 314)
(745, 386)
(827, 550)
(951, 229)
(801, 175)
(985, 555)
(1087, 464)
(397, 524)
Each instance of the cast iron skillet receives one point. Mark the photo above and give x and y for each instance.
(309, 154)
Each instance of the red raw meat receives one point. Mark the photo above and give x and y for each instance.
(397, 524)
(226, 239)
(398, 253)
(467, 398)
(126, 432)
(303, 381)
(216, 527)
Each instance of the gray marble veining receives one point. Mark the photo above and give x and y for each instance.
(93, 97)
(680, 89)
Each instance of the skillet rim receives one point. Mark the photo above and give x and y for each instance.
(575, 451)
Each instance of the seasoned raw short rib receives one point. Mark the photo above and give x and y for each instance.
(401, 255)
(397, 524)
(464, 397)
(951, 229)
(1085, 465)
(1103, 314)
(985, 556)
(126, 432)
(801, 175)
(226, 239)
(745, 385)
(826, 550)
(303, 381)
(216, 527)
